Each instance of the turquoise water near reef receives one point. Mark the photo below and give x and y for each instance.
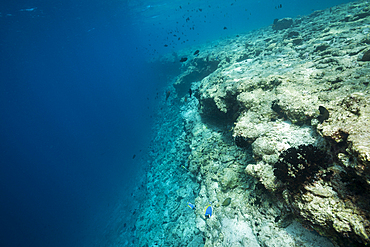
(80, 102)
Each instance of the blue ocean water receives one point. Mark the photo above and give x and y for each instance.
(77, 100)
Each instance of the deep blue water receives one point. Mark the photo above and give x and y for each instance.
(74, 111)
(77, 96)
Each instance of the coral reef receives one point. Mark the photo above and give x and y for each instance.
(276, 137)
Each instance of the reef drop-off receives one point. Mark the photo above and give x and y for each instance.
(275, 136)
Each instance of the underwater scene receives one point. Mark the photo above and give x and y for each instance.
(186, 123)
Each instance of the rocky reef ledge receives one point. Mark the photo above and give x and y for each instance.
(275, 136)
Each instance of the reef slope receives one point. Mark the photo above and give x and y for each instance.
(278, 121)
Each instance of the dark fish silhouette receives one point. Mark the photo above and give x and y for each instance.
(324, 114)
(279, 6)
(183, 59)
(168, 94)
(196, 52)
(190, 92)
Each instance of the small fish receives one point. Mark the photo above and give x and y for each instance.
(184, 168)
(208, 211)
(183, 59)
(29, 10)
(279, 6)
(190, 92)
(196, 52)
(226, 202)
(324, 114)
(192, 206)
(168, 94)
(133, 157)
